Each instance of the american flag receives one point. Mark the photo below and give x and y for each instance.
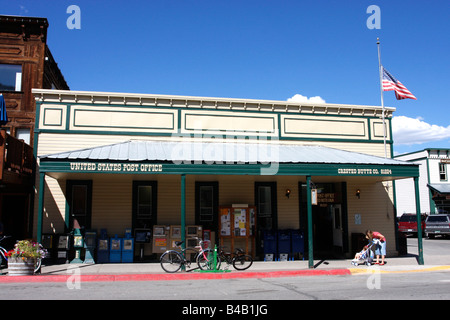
(389, 83)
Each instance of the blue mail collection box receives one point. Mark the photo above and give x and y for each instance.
(297, 242)
(269, 245)
(115, 249)
(284, 242)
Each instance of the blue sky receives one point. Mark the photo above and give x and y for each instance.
(261, 50)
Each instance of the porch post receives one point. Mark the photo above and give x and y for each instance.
(310, 224)
(40, 206)
(183, 210)
(419, 221)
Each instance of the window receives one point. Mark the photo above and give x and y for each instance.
(10, 77)
(266, 202)
(206, 204)
(144, 204)
(23, 134)
(442, 171)
(79, 200)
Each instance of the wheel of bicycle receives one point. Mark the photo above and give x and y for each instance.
(205, 261)
(37, 265)
(242, 262)
(171, 261)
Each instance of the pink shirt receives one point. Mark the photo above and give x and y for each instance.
(379, 236)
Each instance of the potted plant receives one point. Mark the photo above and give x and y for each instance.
(22, 259)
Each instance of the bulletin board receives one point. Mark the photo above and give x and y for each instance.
(237, 223)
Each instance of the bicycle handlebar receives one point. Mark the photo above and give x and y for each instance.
(4, 237)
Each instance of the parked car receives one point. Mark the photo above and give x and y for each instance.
(408, 223)
(437, 224)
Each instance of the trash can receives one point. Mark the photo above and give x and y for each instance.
(269, 245)
(297, 243)
(284, 245)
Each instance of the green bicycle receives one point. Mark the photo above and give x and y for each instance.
(175, 260)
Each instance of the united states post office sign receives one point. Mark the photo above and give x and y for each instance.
(292, 169)
(115, 167)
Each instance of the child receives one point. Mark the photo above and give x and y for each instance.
(359, 254)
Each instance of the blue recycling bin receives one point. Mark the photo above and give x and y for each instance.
(127, 248)
(284, 243)
(103, 247)
(270, 243)
(297, 243)
(115, 249)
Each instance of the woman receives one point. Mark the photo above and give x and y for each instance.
(380, 248)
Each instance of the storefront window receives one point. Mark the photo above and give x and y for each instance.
(266, 202)
(206, 204)
(144, 204)
(79, 200)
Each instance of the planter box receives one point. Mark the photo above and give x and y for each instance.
(19, 267)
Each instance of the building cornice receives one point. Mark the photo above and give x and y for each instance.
(116, 98)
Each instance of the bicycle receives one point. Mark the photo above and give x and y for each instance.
(3, 252)
(4, 259)
(173, 260)
(240, 260)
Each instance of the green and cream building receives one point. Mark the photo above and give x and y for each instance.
(116, 160)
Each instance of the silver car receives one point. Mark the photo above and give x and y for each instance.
(437, 224)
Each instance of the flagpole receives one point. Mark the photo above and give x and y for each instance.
(382, 99)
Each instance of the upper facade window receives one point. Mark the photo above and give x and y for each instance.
(442, 172)
(10, 77)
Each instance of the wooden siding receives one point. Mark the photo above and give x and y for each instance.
(112, 207)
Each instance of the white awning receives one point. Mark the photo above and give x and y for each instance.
(177, 151)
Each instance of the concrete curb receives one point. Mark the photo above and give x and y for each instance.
(173, 276)
(373, 269)
(214, 276)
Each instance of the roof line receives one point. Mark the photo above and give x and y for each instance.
(42, 94)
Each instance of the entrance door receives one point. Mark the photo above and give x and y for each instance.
(337, 225)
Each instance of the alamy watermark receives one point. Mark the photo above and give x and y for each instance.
(73, 282)
(232, 147)
(374, 21)
(374, 280)
(74, 20)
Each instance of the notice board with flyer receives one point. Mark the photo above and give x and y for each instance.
(237, 223)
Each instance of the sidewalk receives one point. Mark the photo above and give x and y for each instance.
(259, 269)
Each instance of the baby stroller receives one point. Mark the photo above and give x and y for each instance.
(365, 256)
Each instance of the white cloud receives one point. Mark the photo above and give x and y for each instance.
(23, 8)
(409, 131)
(300, 98)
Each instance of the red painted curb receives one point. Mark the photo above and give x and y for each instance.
(173, 276)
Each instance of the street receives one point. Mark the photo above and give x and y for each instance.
(375, 284)
(403, 286)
